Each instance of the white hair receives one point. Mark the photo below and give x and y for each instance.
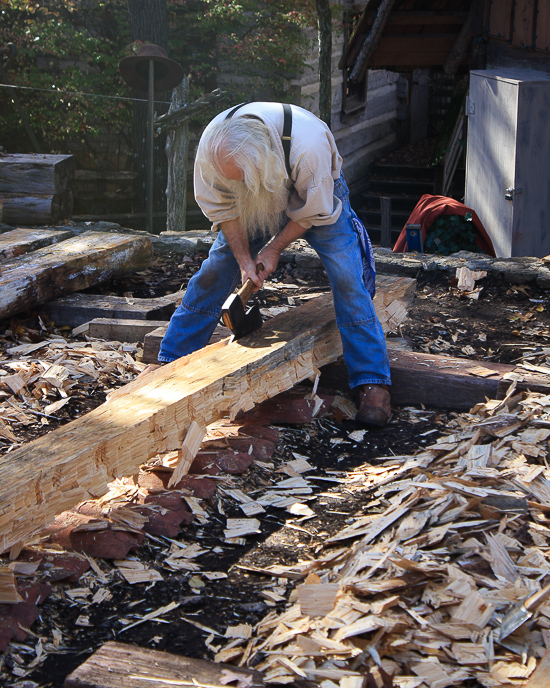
(247, 142)
(261, 198)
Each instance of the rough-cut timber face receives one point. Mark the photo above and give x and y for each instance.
(20, 241)
(152, 414)
(30, 280)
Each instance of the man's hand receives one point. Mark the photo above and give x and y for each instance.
(268, 257)
(248, 271)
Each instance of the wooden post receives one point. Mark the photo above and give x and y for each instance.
(385, 224)
(177, 145)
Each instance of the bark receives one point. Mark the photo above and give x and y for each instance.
(325, 59)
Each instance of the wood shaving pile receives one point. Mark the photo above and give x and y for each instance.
(38, 379)
(420, 586)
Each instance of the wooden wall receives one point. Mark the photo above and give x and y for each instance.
(522, 23)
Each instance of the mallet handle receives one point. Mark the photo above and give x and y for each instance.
(245, 292)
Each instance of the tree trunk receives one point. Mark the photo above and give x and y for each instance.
(149, 24)
(325, 59)
(176, 152)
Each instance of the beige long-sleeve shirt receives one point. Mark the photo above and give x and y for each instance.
(314, 161)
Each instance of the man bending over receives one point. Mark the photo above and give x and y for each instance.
(262, 194)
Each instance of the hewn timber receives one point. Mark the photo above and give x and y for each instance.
(36, 174)
(32, 279)
(392, 300)
(34, 209)
(116, 665)
(20, 241)
(152, 414)
(76, 309)
(120, 330)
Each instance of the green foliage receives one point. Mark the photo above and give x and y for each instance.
(450, 234)
(70, 47)
(64, 48)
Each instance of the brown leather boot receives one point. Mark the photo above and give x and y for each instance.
(374, 405)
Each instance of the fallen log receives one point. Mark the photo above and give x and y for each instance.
(33, 209)
(153, 414)
(116, 664)
(20, 241)
(392, 300)
(443, 381)
(76, 309)
(32, 279)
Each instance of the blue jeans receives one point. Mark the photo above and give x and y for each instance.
(338, 247)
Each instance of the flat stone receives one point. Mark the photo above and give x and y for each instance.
(234, 462)
(260, 449)
(57, 567)
(167, 520)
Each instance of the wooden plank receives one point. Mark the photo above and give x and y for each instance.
(412, 50)
(542, 27)
(76, 309)
(19, 241)
(47, 209)
(116, 664)
(523, 29)
(36, 174)
(153, 414)
(32, 279)
(121, 330)
(389, 291)
(500, 19)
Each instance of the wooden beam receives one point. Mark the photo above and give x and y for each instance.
(152, 414)
(77, 309)
(19, 241)
(388, 291)
(32, 279)
(36, 174)
(115, 665)
(121, 330)
(34, 209)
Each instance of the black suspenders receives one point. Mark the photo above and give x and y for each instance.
(287, 130)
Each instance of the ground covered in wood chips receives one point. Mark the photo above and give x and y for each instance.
(413, 540)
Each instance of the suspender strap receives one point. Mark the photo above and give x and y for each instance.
(286, 139)
(234, 110)
(287, 130)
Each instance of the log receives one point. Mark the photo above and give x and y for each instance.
(36, 174)
(117, 664)
(20, 241)
(76, 309)
(392, 301)
(32, 279)
(442, 381)
(152, 415)
(44, 209)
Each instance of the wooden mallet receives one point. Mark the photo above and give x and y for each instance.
(234, 316)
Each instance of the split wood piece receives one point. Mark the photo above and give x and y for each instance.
(23, 208)
(20, 241)
(117, 664)
(122, 330)
(152, 414)
(36, 174)
(442, 381)
(33, 279)
(393, 298)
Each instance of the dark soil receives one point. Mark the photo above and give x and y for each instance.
(504, 324)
